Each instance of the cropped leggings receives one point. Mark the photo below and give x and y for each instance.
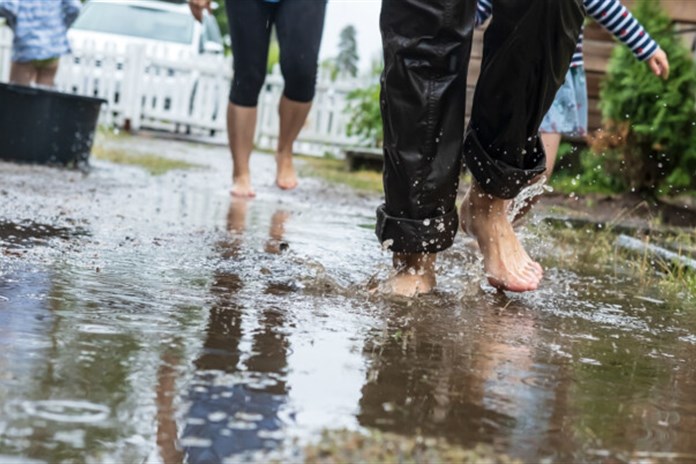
(427, 43)
(299, 25)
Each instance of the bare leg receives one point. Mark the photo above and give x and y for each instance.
(46, 76)
(236, 216)
(166, 411)
(22, 73)
(241, 124)
(292, 117)
(236, 223)
(551, 143)
(506, 263)
(415, 275)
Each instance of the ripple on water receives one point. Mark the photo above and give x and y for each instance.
(8, 459)
(66, 411)
(196, 442)
(98, 329)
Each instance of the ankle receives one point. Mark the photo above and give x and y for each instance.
(414, 263)
(484, 204)
(284, 154)
(240, 176)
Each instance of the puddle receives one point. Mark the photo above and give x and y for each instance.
(28, 233)
(168, 323)
(66, 411)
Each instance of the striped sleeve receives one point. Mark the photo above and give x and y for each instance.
(484, 9)
(616, 18)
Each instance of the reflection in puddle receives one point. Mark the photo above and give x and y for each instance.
(190, 328)
(235, 400)
(29, 233)
(63, 410)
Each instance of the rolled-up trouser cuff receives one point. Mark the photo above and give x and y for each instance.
(402, 235)
(497, 177)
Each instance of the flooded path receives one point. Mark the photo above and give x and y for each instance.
(152, 319)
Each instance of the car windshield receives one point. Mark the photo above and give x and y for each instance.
(137, 21)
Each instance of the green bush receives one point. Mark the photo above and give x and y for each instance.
(273, 55)
(365, 117)
(588, 175)
(648, 137)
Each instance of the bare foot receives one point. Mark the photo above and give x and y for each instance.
(241, 187)
(286, 178)
(415, 275)
(506, 263)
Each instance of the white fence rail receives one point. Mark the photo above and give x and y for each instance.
(147, 89)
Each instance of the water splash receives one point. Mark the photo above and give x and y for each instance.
(527, 196)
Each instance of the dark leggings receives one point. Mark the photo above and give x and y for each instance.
(299, 25)
(427, 43)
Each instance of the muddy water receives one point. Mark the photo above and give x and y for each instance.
(152, 319)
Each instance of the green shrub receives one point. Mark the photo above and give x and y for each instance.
(589, 177)
(273, 56)
(365, 117)
(648, 137)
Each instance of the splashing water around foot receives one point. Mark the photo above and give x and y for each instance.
(525, 198)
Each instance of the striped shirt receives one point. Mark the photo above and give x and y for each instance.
(612, 15)
(40, 27)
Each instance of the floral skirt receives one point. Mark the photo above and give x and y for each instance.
(568, 112)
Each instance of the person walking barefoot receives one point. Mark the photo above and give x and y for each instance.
(527, 51)
(299, 26)
(568, 113)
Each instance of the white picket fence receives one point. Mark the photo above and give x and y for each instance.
(188, 94)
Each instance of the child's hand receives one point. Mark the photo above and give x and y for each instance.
(659, 64)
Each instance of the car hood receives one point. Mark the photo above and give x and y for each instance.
(83, 39)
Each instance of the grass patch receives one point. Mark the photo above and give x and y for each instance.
(154, 164)
(596, 252)
(569, 184)
(343, 446)
(589, 176)
(336, 171)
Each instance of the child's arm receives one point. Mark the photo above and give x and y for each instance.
(71, 9)
(616, 18)
(484, 9)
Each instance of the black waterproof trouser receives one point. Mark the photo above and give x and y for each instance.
(527, 51)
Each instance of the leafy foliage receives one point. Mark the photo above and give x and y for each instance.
(648, 137)
(347, 59)
(221, 17)
(273, 53)
(366, 118)
(588, 176)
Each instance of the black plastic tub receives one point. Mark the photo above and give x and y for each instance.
(45, 126)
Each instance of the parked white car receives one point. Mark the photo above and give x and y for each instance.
(164, 32)
(164, 28)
